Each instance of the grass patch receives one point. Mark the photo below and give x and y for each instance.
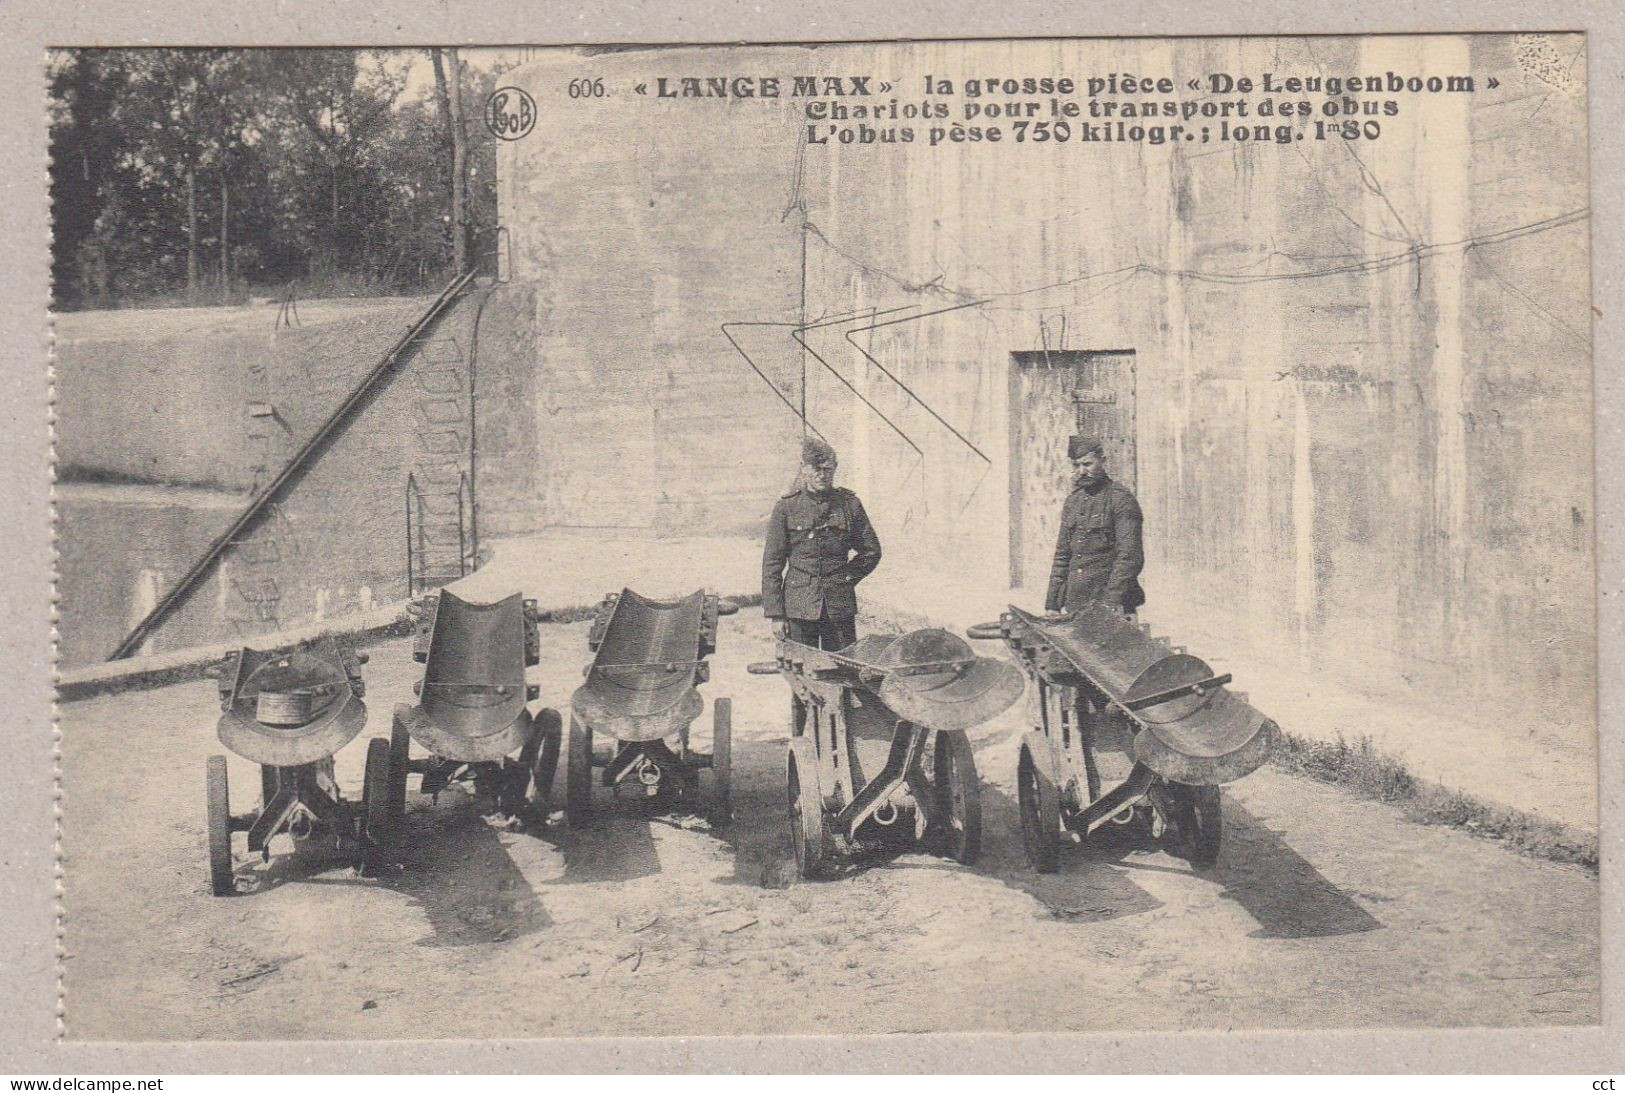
(1362, 768)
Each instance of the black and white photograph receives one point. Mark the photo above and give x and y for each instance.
(968, 536)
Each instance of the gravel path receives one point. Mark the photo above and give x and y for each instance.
(1324, 910)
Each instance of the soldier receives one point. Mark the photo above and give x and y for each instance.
(819, 546)
(1098, 556)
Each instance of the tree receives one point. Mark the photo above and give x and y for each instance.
(338, 107)
(180, 169)
(482, 166)
(86, 150)
(451, 110)
(169, 87)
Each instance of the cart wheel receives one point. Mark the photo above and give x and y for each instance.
(400, 757)
(959, 796)
(806, 807)
(578, 775)
(221, 880)
(1040, 805)
(377, 811)
(1200, 820)
(722, 732)
(550, 729)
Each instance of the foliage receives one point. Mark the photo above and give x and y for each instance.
(201, 175)
(1361, 767)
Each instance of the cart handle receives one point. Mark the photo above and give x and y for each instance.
(763, 668)
(986, 631)
(1199, 688)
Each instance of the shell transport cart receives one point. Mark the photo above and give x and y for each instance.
(920, 691)
(1105, 684)
(640, 692)
(290, 712)
(472, 714)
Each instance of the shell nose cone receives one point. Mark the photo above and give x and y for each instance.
(956, 700)
(925, 647)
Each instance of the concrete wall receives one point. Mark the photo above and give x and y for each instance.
(1383, 472)
(336, 544)
(640, 245)
(1363, 444)
(162, 395)
(118, 547)
(507, 434)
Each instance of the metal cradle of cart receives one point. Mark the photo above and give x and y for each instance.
(640, 692)
(920, 692)
(472, 715)
(290, 712)
(1105, 685)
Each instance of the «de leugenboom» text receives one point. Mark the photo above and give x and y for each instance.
(1115, 108)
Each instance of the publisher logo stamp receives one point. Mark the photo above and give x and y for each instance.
(510, 113)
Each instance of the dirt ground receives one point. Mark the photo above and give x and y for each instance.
(1323, 911)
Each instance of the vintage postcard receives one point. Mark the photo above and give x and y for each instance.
(830, 539)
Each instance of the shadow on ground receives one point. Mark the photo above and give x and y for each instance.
(456, 867)
(453, 864)
(1283, 892)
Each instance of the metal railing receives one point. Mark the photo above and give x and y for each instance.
(420, 572)
(291, 471)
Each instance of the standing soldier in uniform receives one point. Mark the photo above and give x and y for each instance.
(1098, 557)
(819, 546)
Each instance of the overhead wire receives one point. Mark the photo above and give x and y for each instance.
(847, 334)
(823, 322)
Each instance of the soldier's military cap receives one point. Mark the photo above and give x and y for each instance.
(1079, 446)
(815, 453)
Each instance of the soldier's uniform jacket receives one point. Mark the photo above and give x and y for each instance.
(818, 549)
(1098, 556)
